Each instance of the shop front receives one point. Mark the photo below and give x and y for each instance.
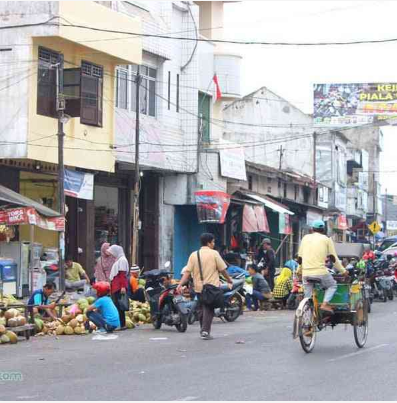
(19, 257)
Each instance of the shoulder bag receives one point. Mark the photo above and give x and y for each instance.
(210, 295)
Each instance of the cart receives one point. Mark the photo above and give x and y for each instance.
(349, 308)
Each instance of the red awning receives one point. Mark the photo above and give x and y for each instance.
(29, 216)
(255, 219)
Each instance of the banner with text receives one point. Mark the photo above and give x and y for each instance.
(79, 185)
(341, 105)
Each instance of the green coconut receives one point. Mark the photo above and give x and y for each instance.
(39, 324)
(2, 329)
(4, 339)
(90, 300)
(68, 330)
(60, 330)
(12, 336)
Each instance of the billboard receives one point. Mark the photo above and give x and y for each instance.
(341, 105)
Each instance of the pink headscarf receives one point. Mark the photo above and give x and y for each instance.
(104, 264)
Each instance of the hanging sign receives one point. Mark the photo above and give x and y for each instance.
(342, 222)
(212, 206)
(284, 225)
(79, 185)
(233, 162)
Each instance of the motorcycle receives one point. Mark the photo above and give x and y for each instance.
(166, 305)
(389, 278)
(233, 303)
(380, 286)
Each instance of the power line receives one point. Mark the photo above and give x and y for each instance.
(182, 38)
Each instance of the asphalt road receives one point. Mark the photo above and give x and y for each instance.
(254, 358)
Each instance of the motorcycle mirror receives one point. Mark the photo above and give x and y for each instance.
(167, 264)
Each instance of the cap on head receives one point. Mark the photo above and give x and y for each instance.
(318, 224)
(267, 241)
(135, 269)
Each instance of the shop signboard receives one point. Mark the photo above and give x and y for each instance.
(338, 105)
(391, 225)
(342, 222)
(212, 206)
(29, 216)
(232, 162)
(79, 185)
(284, 224)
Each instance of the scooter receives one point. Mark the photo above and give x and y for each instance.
(166, 305)
(233, 303)
(380, 286)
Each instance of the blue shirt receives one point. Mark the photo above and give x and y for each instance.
(108, 310)
(38, 298)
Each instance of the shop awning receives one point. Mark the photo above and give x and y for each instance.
(270, 204)
(9, 196)
(25, 211)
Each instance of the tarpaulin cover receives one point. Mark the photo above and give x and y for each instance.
(255, 219)
(212, 206)
(28, 215)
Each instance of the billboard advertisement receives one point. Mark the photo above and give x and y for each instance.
(342, 105)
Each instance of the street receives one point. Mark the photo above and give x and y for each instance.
(254, 358)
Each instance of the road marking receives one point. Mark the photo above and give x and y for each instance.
(187, 399)
(367, 350)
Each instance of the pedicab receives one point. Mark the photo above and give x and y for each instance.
(349, 308)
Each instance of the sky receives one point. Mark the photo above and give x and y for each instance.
(292, 71)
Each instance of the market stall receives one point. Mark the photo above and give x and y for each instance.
(19, 259)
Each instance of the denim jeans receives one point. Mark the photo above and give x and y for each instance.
(254, 298)
(99, 321)
(327, 282)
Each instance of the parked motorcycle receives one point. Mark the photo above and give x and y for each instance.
(233, 303)
(380, 286)
(166, 305)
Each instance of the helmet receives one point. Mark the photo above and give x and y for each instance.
(102, 288)
(318, 224)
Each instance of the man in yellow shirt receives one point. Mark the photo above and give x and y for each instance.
(313, 252)
(74, 273)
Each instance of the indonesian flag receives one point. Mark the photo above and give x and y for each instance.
(218, 93)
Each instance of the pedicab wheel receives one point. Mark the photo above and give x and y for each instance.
(360, 324)
(307, 328)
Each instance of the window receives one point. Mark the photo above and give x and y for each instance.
(204, 109)
(285, 190)
(169, 90)
(122, 89)
(91, 94)
(177, 93)
(71, 90)
(296, 192)
(147, 89)
(250, 182)
(46, 82)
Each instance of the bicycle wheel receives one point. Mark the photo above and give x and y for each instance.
(307, 328)
(360, 324)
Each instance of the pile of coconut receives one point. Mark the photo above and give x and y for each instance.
(10, 318)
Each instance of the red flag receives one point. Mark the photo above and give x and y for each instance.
(218, 89)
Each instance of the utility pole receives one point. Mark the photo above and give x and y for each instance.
(135, 231)
(315, 168)
(281, 151)
(60, 107)
(386, 200)
(374, 195)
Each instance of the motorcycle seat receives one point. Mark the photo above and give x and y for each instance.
(313, 281)
(236, 283)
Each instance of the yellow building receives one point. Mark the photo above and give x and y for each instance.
(77, 34)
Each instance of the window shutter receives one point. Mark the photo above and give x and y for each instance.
(91, 94)
(71, 89)
(46, 83)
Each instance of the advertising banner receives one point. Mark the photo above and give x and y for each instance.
(339, 105)
(212, 206)
(28, 215)
(233, 163)
(79, 185)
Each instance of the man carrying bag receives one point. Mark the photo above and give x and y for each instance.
(205, 266)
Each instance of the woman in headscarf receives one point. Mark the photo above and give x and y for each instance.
(118, 279)
(283, 285)
(104, 264)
